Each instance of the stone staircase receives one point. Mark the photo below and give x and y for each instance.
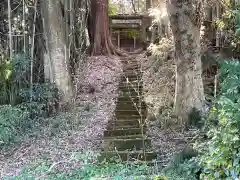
(125, 136)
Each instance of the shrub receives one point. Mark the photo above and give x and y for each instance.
(40, 100)
(13, 123)
(220, 154)
(91, 169)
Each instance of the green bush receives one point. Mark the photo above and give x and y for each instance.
(40, 100)
(220, 154)
(13, 123)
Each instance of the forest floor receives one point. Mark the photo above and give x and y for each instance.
(81, 129)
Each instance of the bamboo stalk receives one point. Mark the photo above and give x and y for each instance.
(32, 50)
(10, 47)
(215, 85)
(218, 30)
(10, 30)
(24, 26)
(71, 27)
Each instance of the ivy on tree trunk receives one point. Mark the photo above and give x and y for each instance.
(185, 19)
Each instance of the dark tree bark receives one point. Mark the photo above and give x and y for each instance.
(99, 28)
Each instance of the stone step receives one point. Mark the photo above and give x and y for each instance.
(128, 103)
(153, 163)
(124, 116)
(132, 73)
(131, 83)
(138, 177)
(121, 122)
(125, 97)
(136, 86)
(130, 107)
(137, 136)
(131, 78)
(133, 99)
(114, 126)
(125, 89)
(128, 112)
(131, 68)
(123, 106)
(124, 132)
(136, 89)
(130, 156)
(128, 144)
(129, 93)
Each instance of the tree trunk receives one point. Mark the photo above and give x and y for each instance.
(57, 60)
(185, 20)
(99, 31)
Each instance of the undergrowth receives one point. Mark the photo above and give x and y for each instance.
(26, 108)
(92, 168)
(219, 154)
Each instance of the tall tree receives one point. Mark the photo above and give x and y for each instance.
(56, 59)
(185, 19)
(100, 39)
(99, 28)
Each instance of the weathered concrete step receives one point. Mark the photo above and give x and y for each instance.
(130, 156)
(153, 163)
(132, 73)
(136, 86)
(130, 107)
(130, 83)
(129, 102)
(128, 98)
(131, 68)
(123, 110)
(135, 136)
(128, 112)
(124, 132)
(129, 93)
(125, 87)
(128, 144)
(125, 116)
(133, 77)
(114, 126)
(130, 89)
(137, 177)
(121, 122)
(137, 89)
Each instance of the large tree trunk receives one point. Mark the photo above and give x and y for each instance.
(99, 28)
(185, 19)
(100, 38)
(56, 59)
